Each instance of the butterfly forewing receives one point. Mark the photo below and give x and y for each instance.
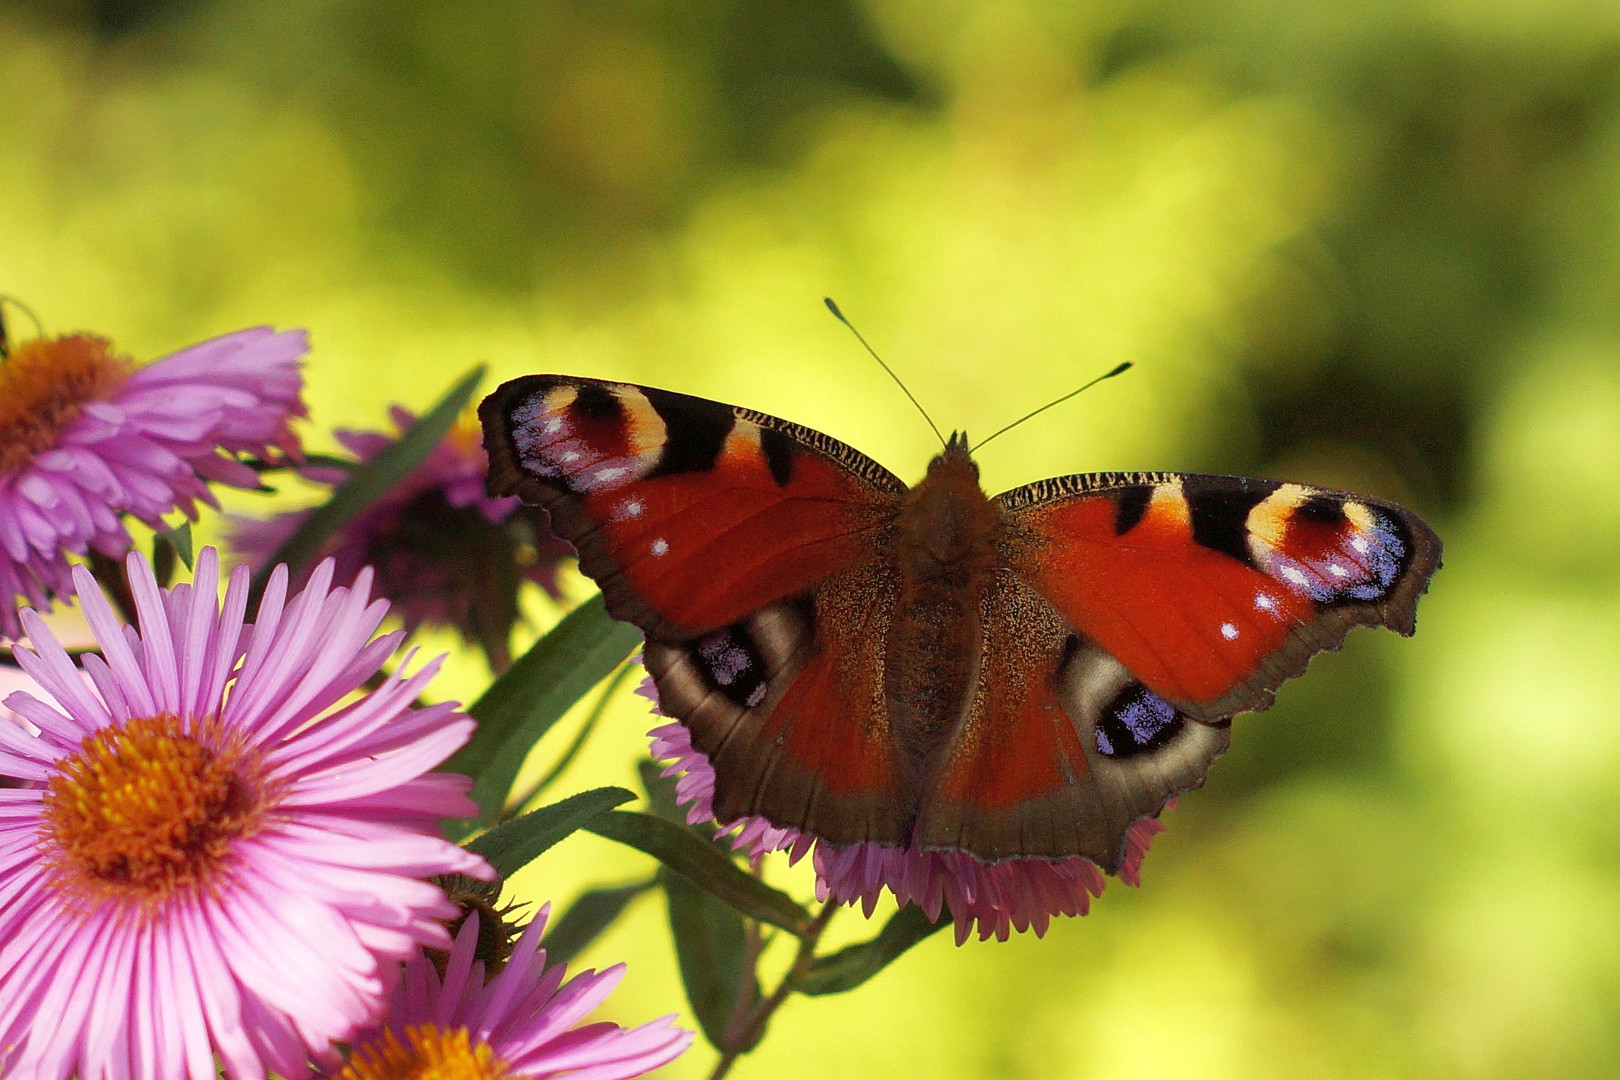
(691, 515)
(1213, 590)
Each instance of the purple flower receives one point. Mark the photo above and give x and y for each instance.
(220, 847)
(519, 1023)
(444, 552)
(14, 678)
(86, 437)
(1013, 894)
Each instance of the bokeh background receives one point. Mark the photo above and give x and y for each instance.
(1370, 245)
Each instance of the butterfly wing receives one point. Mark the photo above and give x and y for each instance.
(746, 548)
(1140, 613)
(691, 514)
(1212, 590)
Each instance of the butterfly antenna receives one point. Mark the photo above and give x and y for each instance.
(1120, 370)
(839, 315)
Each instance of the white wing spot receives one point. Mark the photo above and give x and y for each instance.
(1337, 571)
(568, 457)
(1296, 575)
(552, 425)
(660, 546)
(1229, 631)
(630, 508)
(1263, 602)
(1360, 544)
(610, 474)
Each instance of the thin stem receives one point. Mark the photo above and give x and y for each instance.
(515, 806)
(750, 1032)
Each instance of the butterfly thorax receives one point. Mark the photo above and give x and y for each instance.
(944, 547)
(946, 528)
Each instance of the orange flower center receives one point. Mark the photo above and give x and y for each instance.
(428, 1053)
(43, 386)
(148, 809)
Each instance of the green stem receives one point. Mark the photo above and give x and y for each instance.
(514, 807)
(744, 1036)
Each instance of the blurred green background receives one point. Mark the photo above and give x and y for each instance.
(1364, 245)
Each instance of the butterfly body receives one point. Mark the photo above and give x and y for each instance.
(1021, 676)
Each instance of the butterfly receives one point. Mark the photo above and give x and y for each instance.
(1023, 676)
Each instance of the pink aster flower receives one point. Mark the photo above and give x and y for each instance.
(86, 437)
(444, 552)
(1000, 897)
(518, 1023)
(14, 678)
(220, 847)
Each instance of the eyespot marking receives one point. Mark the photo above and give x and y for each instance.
(1331, 549)
(732, 664)
(1137, 721)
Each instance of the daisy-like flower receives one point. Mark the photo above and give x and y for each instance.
(445, 553)
(998, 898)
(519, 1023)
(14, 678)
(220, 850)
(86, 437)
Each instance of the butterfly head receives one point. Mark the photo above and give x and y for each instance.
(947, 523)
(954, 457)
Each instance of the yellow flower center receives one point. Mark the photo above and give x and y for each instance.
(428, 1053)
(148, 808)
(44, 384)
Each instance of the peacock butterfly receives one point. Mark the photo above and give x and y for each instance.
(1012, 677)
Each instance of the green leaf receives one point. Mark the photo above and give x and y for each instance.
(512, 845)
(711, 944)
(587, 917)
(178, 538)
(533, 694)
(848, 968)
(370, 480)
(683, 851)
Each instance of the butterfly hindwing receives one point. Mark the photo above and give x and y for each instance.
(1212, 590)
(789, 707)
(692, 515)
(1060, 749)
